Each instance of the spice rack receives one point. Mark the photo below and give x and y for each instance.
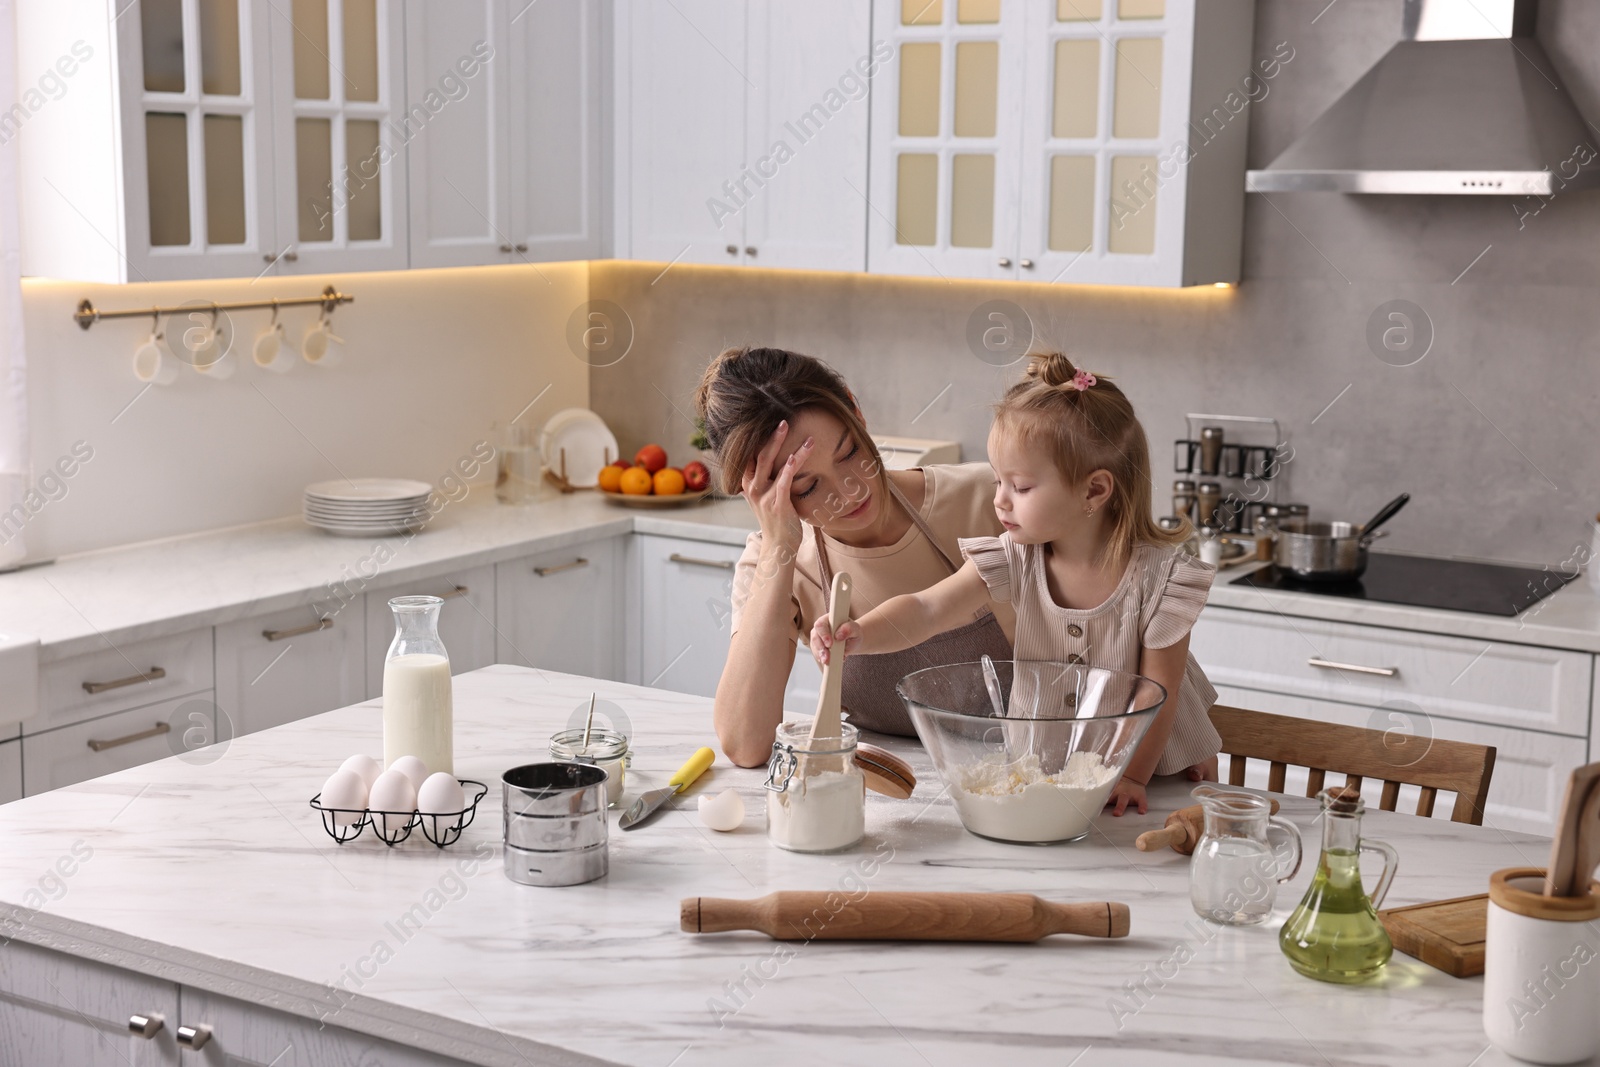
(1221, 476)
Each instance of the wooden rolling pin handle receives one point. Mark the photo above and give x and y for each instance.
(1174, 835)
(883, 916)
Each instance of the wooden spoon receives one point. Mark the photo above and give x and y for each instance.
(1561, 874)
(1181, 832)
(827, 724)
(1588, 835)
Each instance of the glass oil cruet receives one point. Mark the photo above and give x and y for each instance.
(1335, 934)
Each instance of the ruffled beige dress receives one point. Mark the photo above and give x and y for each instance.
(1154, 606)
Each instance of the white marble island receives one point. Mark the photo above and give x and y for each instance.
(218, 877)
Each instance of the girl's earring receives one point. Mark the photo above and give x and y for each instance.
(1088, 509)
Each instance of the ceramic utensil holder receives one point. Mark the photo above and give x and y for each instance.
(1541, 978)
(554, 816)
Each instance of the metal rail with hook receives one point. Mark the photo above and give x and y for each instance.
(87, 314)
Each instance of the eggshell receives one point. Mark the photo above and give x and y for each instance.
(392, 792)
(345, 789)
(365, 767)
(441, 794)
(725, 811)
(413, 768)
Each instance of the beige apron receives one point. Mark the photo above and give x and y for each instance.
(869, 680)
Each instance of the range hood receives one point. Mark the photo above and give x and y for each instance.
(1466, 103)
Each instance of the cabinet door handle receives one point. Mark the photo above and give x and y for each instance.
(133, 679)
(324, 623)
(1025, 264)
(521, 247)
(194, 1037)
(1330, 665)
(458, 591)
(146, 1026)
(1004, 261)
(545, 572)
(750, 250)
(505, 248)
(292, 257)
(719, 564)
(733, 250)
(155, 731)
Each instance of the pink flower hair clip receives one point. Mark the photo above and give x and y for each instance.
(1083, 380)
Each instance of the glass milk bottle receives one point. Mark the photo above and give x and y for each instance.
(417, 717)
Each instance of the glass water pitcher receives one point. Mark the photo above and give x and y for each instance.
(1235, 870)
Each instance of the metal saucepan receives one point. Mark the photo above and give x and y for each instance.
(1330, 551)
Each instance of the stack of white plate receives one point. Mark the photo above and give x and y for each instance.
(367, 507)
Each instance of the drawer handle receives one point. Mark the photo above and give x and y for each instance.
(1330, 665)
(719, 564)
(133, 679)
(324, 623)
(458, 591)
(545, 572)
(155, 731)
(145, 1026)
(194, 1037)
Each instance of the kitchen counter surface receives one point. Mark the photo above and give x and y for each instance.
(216, 874)
(80, 603)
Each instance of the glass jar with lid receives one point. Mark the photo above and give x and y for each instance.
(607, 749)
(817, 795)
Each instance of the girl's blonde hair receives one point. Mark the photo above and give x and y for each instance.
(746, 392)
(1085, 430)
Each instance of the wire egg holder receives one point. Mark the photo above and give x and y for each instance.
(441, 828)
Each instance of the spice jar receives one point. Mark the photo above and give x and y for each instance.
(817, 799)
(1207, 496)
(607, 749)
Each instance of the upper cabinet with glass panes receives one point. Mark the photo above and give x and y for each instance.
(1060, 140)
(214, 138)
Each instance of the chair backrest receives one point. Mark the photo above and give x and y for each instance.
(1397, 759)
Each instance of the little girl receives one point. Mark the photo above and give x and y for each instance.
(1091, 576)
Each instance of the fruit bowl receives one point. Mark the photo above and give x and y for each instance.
(1042, 772)
(650, 500)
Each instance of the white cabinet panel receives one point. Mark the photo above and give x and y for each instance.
(56, 1008)
(126, 676)
(684, 592)
(87, 750)
(466, 620)
(273, 669)
(562, 610)
(1463, 678)
(10, 771)
(244, 1033)
(1530, 769)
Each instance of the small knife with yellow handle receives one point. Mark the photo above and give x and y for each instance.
(646, 805)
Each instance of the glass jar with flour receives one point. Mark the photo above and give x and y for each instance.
(417, 715)
(817, 799)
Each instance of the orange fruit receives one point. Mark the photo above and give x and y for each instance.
(635, 481)
(611, 479)
(668, 481)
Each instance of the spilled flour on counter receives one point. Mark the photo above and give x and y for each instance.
(1019, 802)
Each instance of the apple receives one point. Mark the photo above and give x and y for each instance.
(624, 464)
(651, 457)
(695, 476)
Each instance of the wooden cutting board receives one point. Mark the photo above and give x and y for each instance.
(1447, 934)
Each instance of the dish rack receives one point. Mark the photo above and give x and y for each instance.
(442, 828)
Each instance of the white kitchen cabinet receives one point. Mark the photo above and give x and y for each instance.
(243, 1033)
(685, 588)
(562, 610)
(84, 750)
(1530, 768)
(1053, 141)
(10, 771)
(128, 675)
(56, 1008)
(276, 668)
(736, 139)
(202, 140)
(466, 620)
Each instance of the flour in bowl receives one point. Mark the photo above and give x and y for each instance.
(1019, 802)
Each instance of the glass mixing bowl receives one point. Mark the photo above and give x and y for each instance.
(1041, 771)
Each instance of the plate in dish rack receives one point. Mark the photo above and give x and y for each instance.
(650, 500)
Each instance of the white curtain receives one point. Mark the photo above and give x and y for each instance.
(14, 458)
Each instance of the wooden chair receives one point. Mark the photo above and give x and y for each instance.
(1398, 759)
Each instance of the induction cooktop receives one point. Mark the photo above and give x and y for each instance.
(1424, 582)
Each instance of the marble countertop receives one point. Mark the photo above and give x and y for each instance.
(215, 873)
(81, 602)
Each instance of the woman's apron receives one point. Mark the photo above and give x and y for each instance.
(869, 680)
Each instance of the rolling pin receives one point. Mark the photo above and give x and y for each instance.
(1182, 831)
(882, 916)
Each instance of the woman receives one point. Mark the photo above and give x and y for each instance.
(789, 436)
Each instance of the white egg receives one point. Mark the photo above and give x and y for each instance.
(725, 811)
(392, 791)
(413, 768)
(365, 767)
(441, 794)
(345, 790)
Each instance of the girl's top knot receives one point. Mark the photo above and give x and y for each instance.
(1057, 371)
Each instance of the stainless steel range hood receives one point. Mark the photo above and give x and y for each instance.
(1467, 103)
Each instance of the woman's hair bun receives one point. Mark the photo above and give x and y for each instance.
(1052, 369)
